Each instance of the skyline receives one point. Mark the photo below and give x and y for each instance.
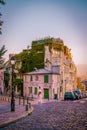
(32, 20)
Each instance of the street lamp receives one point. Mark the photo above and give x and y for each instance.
(12, 95)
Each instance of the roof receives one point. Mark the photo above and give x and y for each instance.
(42, 71)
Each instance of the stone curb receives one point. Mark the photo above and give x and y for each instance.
(24, 114)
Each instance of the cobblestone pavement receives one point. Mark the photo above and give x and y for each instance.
(6, 116)
(57, 115)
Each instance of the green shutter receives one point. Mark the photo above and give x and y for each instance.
(30, 89)
(46, 93)
(45, 78)
(35, 90)
(31, 78)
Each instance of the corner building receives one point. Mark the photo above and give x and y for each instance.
(58, 74)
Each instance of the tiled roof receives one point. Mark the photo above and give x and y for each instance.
(43, 71)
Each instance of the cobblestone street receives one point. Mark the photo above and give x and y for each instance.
(56, 115)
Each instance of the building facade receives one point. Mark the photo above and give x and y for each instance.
(1, 81)
(59, 70)
(45, 79)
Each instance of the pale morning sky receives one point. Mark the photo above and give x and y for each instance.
(27, 20)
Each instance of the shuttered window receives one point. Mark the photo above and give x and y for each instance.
(35, 90)
(31, 78)
(46, 79)
(30, 89)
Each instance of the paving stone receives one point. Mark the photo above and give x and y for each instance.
(56, 115)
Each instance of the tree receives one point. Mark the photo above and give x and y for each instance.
(1, 22)
(6, 79)
(19, 83)
(2, 2)
(2, 52)
(34, 58)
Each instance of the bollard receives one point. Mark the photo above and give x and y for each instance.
(26, 107)
(29, 105)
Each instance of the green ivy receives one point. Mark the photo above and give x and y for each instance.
(35, 58)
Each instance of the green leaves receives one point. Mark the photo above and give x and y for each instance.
(2, 52)
(2, 2)
(34, 58)
(1, 22)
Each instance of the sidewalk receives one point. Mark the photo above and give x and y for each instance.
(6, 116)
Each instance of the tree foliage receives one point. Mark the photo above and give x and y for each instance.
(2, 60)
(29, 61)
(35, 57)
(1, 22)
(6, 79)
(2, 2)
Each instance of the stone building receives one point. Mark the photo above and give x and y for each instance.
(58, 75)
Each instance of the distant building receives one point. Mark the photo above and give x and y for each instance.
(58, 75)
(84, 84)
(8, 77)
(1, 81)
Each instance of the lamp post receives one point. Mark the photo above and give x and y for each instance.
(12, 95)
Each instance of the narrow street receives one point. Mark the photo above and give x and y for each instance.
(56, 115)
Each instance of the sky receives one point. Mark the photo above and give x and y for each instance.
(28, 20)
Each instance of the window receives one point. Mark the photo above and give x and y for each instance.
(46, 79)
(35, 90)
(30, 89)
(31, 78)
(60, 88)
(36, 77)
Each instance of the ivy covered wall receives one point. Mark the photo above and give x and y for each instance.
(34, 58)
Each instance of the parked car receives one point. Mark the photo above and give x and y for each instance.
(84, 94)
(69, 96)
(77, 94)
